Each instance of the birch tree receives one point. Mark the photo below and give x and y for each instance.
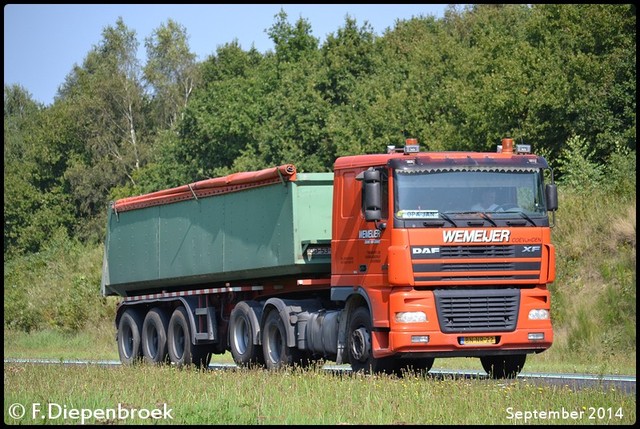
(171, 70)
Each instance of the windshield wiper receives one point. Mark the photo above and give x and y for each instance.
(523, 215)
(488, 218)
(445, 216)
(484, 216)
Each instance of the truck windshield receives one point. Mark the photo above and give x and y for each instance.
(508, 192)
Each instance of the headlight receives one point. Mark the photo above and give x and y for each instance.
(411, 317)
(539, 314)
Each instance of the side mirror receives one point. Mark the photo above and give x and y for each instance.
(551, 193)
(372, 195)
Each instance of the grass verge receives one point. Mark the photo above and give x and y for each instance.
(85, 394)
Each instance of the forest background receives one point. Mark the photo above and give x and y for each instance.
(559, 77)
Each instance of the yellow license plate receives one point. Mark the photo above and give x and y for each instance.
(478, 340)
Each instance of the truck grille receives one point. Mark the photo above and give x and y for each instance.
(473, 310)
(469, 263)
(478, 251)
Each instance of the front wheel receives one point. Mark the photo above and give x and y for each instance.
(508, 366)
(359, 346)
(418, 365)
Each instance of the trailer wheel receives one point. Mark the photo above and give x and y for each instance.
(181, 351)
(274, 344)
(359, 347)
(154, 337)
(241, 334)
(508, 366)
(129, 328)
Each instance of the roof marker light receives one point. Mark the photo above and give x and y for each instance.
(411, 146)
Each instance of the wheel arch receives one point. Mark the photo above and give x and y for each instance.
(291, 312)
(353, 299)
(255, 312)
(282, 308)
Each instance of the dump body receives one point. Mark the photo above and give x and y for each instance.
(253, 230)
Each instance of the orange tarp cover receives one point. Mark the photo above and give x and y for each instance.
(209, 187)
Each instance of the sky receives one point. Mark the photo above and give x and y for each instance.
(42, 42)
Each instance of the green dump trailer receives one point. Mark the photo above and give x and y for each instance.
(242, 228)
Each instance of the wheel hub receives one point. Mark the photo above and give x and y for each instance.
(360, 344)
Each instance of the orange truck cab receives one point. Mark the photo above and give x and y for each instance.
(434, 274)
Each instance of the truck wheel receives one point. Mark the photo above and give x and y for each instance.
(508, 366)
(274, 344)
(418, 365)
(359, 347)
(129, 328)
(181, 351)
(154, 337)
(241, 334)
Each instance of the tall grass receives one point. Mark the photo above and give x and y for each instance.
(594, 295)
(295, 396)
(58, 288)
(95, 344)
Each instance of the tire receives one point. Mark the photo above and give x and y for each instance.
(508, 366)
(181, 351)
(154, 337)
(359, 347)
(241, 334)
(274, 344)
(129, 343)
(418, 366)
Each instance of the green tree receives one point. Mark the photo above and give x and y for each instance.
(18, 105)
(293, 123)
(580, 171)
(292, 112)
(589, 58)
(347, 56)
(292, 42)
(106, 97)
(222, 117)
(36, 202)
(171, 70)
